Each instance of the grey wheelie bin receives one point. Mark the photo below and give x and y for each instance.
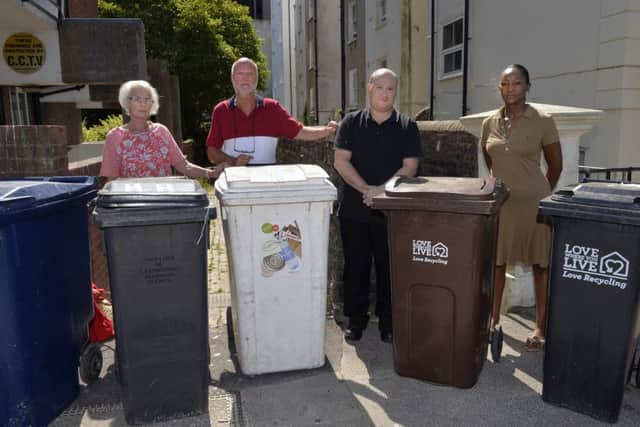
(594, 295)
(156, 238)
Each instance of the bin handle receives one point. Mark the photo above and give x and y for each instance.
(208, 216)
(92, 203)
(392, 183)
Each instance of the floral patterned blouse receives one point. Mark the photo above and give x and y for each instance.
(140, 154)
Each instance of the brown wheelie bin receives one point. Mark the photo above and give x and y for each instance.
(442, 244)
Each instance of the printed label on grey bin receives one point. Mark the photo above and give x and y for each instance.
(588, 265)
(430, 252)
(159, 270)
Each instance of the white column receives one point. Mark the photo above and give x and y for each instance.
(572, 123)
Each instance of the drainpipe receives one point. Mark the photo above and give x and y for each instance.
(315, 54)
(343, 84)
(465, 57)
(431, 62)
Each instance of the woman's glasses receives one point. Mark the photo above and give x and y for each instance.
(141, 100)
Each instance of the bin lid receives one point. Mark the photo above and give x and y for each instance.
(20, 196)
(152, 193)
(599, 201)
(274, 177)
(444, 194)
(274, 183)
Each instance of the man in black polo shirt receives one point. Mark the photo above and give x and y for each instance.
(372, 145)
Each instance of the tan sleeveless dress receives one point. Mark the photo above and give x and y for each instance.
(516, 161)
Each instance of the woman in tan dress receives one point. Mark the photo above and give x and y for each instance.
(512, 140)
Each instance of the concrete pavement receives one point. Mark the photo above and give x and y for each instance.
(357, 386)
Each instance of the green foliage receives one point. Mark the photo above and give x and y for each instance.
(200, 39)
(99, 132)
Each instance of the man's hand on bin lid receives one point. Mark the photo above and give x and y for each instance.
(370, 193)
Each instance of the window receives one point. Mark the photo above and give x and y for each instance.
(452, 37)
(381, 12)
(310, 9)
(19, 106)
(311, 51)
(353, 87)
(312, 103)
(352, 34)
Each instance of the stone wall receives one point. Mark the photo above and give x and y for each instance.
(448, 150)
(319, 153)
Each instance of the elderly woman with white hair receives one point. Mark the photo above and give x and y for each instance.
(141, 147)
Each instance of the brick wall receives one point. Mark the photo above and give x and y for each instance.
(33, 151)
(99, 270)
(447, 148)
(82, 8)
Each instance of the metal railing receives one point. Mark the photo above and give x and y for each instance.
(57, 5)
(610, 174)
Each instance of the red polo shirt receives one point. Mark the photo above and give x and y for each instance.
(256, 134)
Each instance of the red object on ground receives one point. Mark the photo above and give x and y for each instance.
(100, 327)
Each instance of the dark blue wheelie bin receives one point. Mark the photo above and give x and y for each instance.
(45, 295)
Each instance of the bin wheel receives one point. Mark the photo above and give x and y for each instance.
(496, 343)
(91, 363)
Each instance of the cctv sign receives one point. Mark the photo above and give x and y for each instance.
(591, 266)
(24, 53)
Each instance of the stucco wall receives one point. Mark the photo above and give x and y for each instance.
(590, 65)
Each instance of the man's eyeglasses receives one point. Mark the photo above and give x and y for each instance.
(244, 144)
(141, 100)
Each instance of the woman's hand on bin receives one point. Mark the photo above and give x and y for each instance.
(212, 174)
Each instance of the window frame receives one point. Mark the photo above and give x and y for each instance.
(444, 52)
(352, 22)
(381, 18)
(310, 10)
(19, 106)
(353, 88)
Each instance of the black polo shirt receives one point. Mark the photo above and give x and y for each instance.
(377, 152)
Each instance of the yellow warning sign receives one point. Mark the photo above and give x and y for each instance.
(24, 53)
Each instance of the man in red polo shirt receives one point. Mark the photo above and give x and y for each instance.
(245, 128)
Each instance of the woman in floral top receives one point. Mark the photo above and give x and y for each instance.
(143, 148)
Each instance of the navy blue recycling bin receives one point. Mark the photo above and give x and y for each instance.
(45, 295)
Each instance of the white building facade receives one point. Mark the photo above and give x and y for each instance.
(583, 53)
